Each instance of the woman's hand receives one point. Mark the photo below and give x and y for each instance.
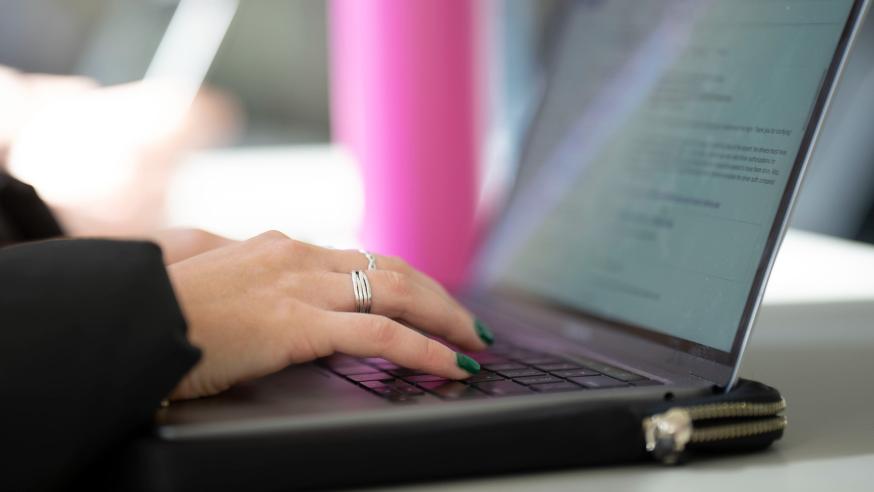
(257, 306)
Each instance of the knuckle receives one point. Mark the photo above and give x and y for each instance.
(400, 289)
(384, 332)
(431, 353)
(398, 284)
(285, 247)
(399, 264)
(272, 235)
(198, 232)
(199, 236)
(288, 246)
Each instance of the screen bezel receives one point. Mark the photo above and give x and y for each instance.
(775, 234)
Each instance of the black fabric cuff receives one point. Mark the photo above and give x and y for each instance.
(23, 215)
(91, 340)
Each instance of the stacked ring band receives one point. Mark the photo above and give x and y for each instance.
(371, 259)
(363, 294)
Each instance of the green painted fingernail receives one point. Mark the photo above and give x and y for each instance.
(484, 332)
(466, 363)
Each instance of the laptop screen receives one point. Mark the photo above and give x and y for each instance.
(656, 168)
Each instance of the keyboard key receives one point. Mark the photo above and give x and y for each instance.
(452, 390)
(403, 372)
(570, 373)
(622, 375)
(487, 358)
(506, 366)
(482, 377)
(349, 369)
(592, 364)
(394, 395)
(519, 373)
(613, 372)
(538, 380)
(374, 384)
(406, 389)
(511, 351)
(384, 391)
(385, 365)
(503, 388)
(540, 359)
(422, 378)
(554, 387)
(501, 346)
(560, 366)
(373, 376)
(598, 382)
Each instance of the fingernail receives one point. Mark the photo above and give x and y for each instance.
(466, 363)
(484, 332)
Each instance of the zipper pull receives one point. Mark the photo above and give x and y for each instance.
(667, 434)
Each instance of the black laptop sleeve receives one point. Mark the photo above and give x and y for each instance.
(749, 418)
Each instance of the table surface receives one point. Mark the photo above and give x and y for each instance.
(814, 339)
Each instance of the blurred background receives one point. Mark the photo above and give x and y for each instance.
(254, 150)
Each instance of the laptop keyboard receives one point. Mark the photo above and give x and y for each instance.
(507, 370)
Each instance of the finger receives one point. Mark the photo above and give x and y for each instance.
(394, 295)
(344, 260)
(301, 256)
(348, 260)
(367, 335)
(305, 256)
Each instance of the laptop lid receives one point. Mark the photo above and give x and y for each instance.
(659, 171)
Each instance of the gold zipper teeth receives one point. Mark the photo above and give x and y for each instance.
(737, 431)
(735, 409)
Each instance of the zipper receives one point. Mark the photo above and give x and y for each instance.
(735, 409)
(668, 434)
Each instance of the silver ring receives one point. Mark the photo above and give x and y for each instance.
(371, 259)
(361, 289)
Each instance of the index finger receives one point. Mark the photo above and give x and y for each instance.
(396, 296)
(367, 335)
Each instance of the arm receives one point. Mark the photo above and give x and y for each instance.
(91, 339)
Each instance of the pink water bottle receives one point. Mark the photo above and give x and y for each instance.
(404, 103)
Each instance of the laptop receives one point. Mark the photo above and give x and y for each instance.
(653, 189)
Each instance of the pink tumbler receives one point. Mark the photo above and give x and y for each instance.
(404, 103)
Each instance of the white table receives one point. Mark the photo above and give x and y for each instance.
(814, 339)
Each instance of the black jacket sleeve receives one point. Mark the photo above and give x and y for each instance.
(91, 340)
(23, 215)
